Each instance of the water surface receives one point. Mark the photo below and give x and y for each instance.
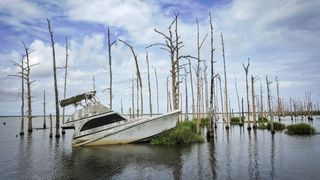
(233, 154)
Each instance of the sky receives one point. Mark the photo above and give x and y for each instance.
(281, 38)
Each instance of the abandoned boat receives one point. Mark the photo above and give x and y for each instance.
(95, 124)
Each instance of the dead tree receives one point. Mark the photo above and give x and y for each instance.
(55, 81)
(240, 118)
(172, 45)
(22, 76)
(110, 68)
(261, 103)
(44, 110)
(50, 117)
(65, 82)
(212, 116)
(192, 94)
(278, 100)
(150, 101)
(29, 82)
(253, 102)
(269, 104)
(132, 97)
(137, 81)
(138, 71)
(156, 75)
(225, 83)
(242, 110)
(168, 101)
(206, 93)
(221, 100)
(246, 69)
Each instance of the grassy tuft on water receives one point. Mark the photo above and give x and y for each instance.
(277, 126)
(262, 125)
(235, 120)
(300, 129)
(184, 133)
(262, 119)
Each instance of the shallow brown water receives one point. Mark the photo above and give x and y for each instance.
(233, 154)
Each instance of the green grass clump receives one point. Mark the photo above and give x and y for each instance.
(184, 133)
(262, 119)
(277, 126)
(235, 120)
(262, 125)
(204, 121)
(301, 129)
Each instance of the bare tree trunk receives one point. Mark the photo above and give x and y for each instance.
(253, 103)
(168, 101)
(278, 100)
(110, 67)
(55, 82)
(242, 110)
(50, 135)
(150, 101)
(192, 94)
(261, 102)
(138, 72)
(132, 97)
(246, 69)
(22, 98)
(29, 89)
(212, 85)
(269, 104)
(240, 118)
(138, 111)
(156, 75)
(206, 93)
(65, 82)
(225, 83)
(44, 110)
(221, 96)
(186, 90)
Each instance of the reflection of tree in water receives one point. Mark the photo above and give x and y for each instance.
(130, 161)
(272, 172)
(228, 154)
(253, 167)
(212, 157)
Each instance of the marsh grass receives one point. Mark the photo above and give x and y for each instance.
(300, 129)
(184, 133)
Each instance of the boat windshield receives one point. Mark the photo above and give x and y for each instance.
(102, 121)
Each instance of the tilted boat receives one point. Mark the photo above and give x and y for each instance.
(95, 124)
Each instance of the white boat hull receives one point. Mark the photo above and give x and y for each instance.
(129, 132)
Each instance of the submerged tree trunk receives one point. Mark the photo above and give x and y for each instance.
(156, 75)
(278, 100)
(192, 94)
(253, 103)
(269, 104)
(221, 100)
(50, 135)
(240, 118)
(225, 83)
(65, 82)
(132, 97)
(246, 69)
(138, 72)
(22, 98)
(44, 110)
(149, 87)
(55, 81)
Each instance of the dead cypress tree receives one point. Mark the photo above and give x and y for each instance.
(242, 110)
(156, 75)
(261, 103)
(240, 118)
(44, 110)
(55, 81)
(278, 100)
(172, 45)
(212, 119)
(149, 87)
(246, 69)
(50, 117)
(110, 68)
(138, 72)
(192, 92)
(225, 83)
(22, 76)
(269, 104)
(221, 100)
(253, 102)
(29, 82)
(65, 82)
(132, 97)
